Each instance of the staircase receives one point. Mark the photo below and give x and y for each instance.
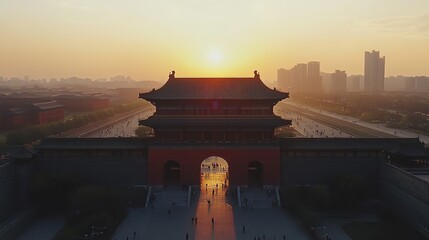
(170, 197)
(259, 197)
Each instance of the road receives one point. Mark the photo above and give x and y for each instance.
(348, 127)
(121, 124)
(309, 128)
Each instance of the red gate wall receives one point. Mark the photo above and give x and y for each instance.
(190, 159)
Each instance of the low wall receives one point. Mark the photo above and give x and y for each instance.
(406, 181)
(107, 170)
(7, 193)
(406, 194)
(13, 226)
(310, 170)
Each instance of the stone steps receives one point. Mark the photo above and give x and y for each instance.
(168, 198)
(258, 198)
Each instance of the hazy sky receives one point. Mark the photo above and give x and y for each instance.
(147, 38)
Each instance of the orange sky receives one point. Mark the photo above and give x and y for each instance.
(147, 39)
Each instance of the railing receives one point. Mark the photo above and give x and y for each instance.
(149, 192)
(189, 196)
(278, 197)
(239, 196)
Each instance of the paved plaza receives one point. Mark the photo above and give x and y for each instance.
(43, 228)
(218, 217)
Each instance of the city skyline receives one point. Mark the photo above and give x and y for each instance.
(145, 40)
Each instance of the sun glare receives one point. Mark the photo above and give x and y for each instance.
(215, 56)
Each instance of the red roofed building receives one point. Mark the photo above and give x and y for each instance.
(31, 114)
(197, 118)
(46, 112)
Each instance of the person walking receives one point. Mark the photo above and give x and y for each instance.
(213, 221)
(187, 236)
(244, 229)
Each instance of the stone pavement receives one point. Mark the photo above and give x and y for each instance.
(174, 222)
(219, 209)
(43, 228)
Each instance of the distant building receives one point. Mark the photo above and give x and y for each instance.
(47, 112)
(338, 82)
(326, 81)
(422, 84)
(410, 84)
(303, 77)
(355, 83)
(395, 83)
(26, 114)
(314, 83)
(83, 103)
(374, 72)
(299, 77)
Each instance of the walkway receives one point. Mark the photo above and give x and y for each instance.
(166, 221)
(378, 127)
(43, 228)
(213, 204)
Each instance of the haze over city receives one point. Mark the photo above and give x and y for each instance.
(214, 119)
(146, 39)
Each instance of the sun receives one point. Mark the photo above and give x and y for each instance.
(215, 56)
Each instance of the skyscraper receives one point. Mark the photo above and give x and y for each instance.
(303, 77)
(355, 83)
(314, 81)
(374, 72)
(338, 82)
(299, 77)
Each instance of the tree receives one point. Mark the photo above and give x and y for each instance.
(144, 132)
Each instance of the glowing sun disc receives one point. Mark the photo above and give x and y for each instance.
(215, 56)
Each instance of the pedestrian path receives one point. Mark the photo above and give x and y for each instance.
(165, 221)
(213, 205)
(44, 227)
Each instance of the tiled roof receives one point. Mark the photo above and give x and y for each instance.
(214, 121)
(214, 88)
(47, 105)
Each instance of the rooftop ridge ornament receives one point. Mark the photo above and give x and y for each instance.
(171, 75)
(257, 76)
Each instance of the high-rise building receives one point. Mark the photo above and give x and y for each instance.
(302, 77)
(355, 83)
(299, 77)
(410, 84)
(338, 82)
(422, 84)
(314, 83)
(374, 72)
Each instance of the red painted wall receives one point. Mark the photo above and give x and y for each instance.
(51, 115)
(190, 160)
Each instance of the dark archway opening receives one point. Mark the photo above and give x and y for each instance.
(171, 174)
(255, 174)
